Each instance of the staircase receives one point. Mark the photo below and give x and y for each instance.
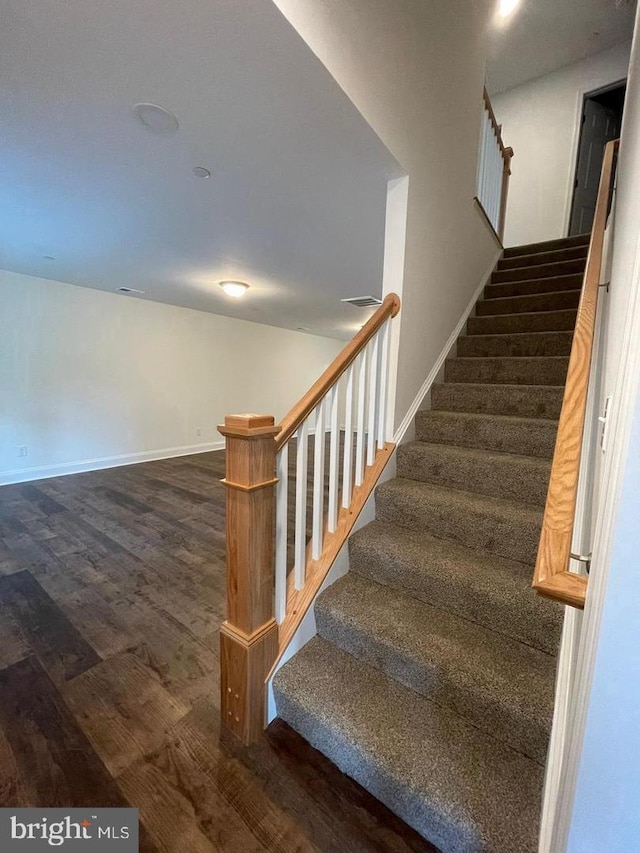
(431, 680)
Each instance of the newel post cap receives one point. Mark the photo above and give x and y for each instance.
(248, 425)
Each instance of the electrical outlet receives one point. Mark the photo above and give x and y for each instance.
(22, 450)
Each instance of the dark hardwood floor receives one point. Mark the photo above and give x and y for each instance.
(111, 595)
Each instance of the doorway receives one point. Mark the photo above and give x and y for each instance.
(601, 122)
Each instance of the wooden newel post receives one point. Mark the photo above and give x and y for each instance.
(249, 636)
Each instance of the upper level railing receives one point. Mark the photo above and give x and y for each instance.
(494, 169)
(306, 481)
(552, 577)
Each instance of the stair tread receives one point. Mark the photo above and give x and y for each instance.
(548, 270)
(548, 256)
(475, 417)
(551, 284)
(558, 359)
(475, 454)
(547, 245)
(554, 320)
(459, 787)
(499, 525)
(567, 278)
(477, 470)
(462, 498)
(491, 680)
(439, 570)
(544, 333)
(501, 304)
(486, 385)
(529, 401)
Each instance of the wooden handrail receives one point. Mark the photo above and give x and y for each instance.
(552, 577)
(389, 308)
(507, 153)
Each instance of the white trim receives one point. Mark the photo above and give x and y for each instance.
(25, 475)
(444, 353)
(575, 141)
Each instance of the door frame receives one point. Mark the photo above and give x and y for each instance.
(581, 97)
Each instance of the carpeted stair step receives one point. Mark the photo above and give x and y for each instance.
(526, 436)
(494, 525)
(536, 285)
(502, 687)
(527, 304)
(524, 401)
(516, 345)
(535, 321)
(487, 472)
(458, 787)
(572, 253)
(538, 271)
(521, 370)
(548, 245)
(492, 591)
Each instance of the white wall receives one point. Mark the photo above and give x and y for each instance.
(540, 121)
(415, 70)
(87, 378)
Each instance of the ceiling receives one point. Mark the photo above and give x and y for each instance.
(543, 35)
(295, 202)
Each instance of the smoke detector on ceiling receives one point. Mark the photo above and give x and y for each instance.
(363, 301)
(156, 118)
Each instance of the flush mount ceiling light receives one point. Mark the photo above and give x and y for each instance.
(201, 172)
(506, 7)
(156, 118)
(234, 288)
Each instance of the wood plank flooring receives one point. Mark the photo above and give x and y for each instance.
(111, 596)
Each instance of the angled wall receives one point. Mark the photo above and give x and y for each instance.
(415, 71)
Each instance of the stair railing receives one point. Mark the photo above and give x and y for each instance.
(274, 570)
(552, 576)
(494, 169)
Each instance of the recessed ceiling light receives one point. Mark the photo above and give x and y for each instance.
(506, 7)
(156, 118)
(234, 288)
(201, 172)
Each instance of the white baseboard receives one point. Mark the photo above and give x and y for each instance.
(25, 475)
(439, 362)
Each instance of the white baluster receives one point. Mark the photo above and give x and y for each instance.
(482, 185)
(373, 389)
(282, 472)
(318, 483)
(485, 158)
(300, 541)
(382, 384)
(496, 157)
(360, 436)
(334, 458)
(348, 438)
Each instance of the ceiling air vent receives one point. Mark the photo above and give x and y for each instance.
(363, 301)
(129, 290)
